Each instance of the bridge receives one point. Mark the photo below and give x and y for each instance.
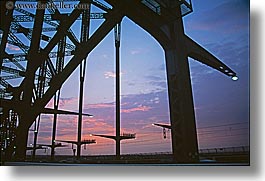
(44, 71)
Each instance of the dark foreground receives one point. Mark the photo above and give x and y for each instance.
(239, 159)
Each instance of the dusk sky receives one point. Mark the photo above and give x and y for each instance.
(221, 105)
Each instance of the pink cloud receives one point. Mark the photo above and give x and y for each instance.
(63, 102)
(100, 105)
(139, 108)
(68, 101)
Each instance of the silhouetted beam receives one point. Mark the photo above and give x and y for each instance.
(127, 136)
(198, 53)
(167, 11)
(51, 67)
(105, 136)
(16, 73)
(53, 111)
(162, 125)
(13, 71)
(100, 5)
(15, 29)
(69, 31)
(63, 27)
(5, 22)
(22, 56)
(140, 10)
(122, 137)
(18, 42)
(61, 31)
(141, 15)
(9, 77)
(4, 83)
(15, 62)
(28, 33)
(75, 142)
(15, 43)
(54, 10)
(48, 17)
(88, 142)
(72, 38)
(36, 148)
(81, 53)
(50, 146)
(28, 91)
(6, 103)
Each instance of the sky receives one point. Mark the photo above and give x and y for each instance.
(221, 105)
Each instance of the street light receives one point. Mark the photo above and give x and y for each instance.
(234, 78)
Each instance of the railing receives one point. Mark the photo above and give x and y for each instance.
(128, 135)
(241, 149)
(155, 5)
(186, 7)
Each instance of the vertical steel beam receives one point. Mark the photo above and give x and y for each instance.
(80, 54)
(184, 136)
(84, 39)
(59, 69)
(56, 99)
(118, 119)
(26, 118)
(35, 139)
(39, 94)
(81, 96)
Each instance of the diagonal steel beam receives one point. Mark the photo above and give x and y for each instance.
(200, 54)
(69, 31)
(62, 29)
(20, 57)
(6, 16)
(54, 111)
(82, 52)
(100, 5)
(28, 90)
(28, 33)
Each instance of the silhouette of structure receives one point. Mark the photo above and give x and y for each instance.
(43, 71)
(118, 138)
(79, 143)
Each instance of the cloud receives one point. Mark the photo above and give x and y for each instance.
(156, 100)
(111, 74)
(153, 77)
(68, 101)
(230, 17)
(64, 102)
(138, 51)
(104, 56)
(158, 83)
(139, 108)
(135, 52)
(100, 105)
